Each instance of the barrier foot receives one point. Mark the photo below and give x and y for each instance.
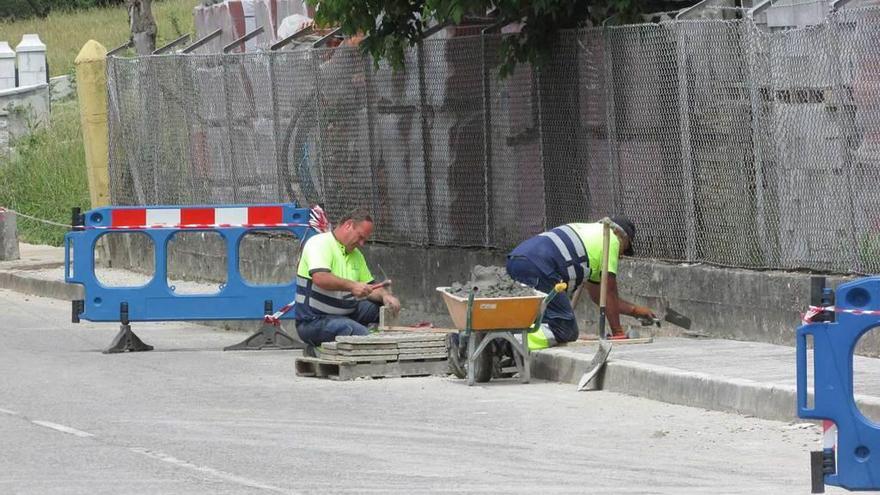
(126, 340)
(267, 337)
(817, 475)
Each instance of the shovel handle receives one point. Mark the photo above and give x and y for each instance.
(603, 286)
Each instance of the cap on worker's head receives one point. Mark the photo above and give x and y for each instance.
(627, 226)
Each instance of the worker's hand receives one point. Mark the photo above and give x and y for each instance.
(391, 303)
(360, 290)
(618, 332)
(643, 312)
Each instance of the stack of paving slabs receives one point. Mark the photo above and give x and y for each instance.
(379, 355)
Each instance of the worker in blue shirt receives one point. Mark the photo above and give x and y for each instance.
(572, 253)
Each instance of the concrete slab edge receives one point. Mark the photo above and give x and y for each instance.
(675, 386)
(37, 287)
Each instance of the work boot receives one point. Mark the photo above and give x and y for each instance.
(310, 351)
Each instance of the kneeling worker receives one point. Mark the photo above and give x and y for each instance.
(334, 295)
(572, 253)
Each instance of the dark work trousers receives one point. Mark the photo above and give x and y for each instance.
(327, 328)
(559, 315)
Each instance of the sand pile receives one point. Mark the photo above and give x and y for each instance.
(491, 281)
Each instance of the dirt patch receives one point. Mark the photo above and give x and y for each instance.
(490, 281)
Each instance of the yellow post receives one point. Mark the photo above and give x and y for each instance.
(91, 89)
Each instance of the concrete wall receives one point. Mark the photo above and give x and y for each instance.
(722, 302)
(62, 87)
(25, 108)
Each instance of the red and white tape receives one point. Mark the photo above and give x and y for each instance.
(275, 318)
(814, 311)
(318, 219)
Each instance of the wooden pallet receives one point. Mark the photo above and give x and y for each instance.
(336, 370)
(387, 354)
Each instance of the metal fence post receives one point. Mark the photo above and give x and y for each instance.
(848, 126)
(750, 37)
(487, 139)
(427, 148)
(369, 101)
(319, 129)
(687, 162)
(611, 122)
(230, 125)
(279, 184)
(539, 119)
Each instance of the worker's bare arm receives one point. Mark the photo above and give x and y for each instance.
(616, 305)
(384, 297)
(328, 281)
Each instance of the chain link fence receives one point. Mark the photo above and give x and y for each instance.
(724, 143)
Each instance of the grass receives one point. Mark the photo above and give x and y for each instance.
(65, 32)
(46, 176)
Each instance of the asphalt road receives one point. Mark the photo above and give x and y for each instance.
(189, 418)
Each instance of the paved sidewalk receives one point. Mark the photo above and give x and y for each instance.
(39, 272)
(749, 378)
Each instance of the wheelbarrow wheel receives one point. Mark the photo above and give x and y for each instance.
(483, 362)
(458, 358)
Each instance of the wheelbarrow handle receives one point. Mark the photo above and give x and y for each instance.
(559, 287)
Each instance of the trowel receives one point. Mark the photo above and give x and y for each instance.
(672, 316)
(677, 319)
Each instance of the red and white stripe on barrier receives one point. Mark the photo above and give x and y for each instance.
(829, 434)
(813, 311)
(190, 218)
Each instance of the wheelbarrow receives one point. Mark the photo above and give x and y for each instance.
(482, 320)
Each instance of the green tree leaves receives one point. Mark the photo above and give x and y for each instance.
(391, 26)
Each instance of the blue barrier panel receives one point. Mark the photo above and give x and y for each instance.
(156, 301)
(857, 311)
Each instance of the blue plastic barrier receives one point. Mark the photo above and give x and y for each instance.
(854, 463)
(156, 300)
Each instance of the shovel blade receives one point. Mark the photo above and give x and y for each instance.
(677, 319)
(595, 366)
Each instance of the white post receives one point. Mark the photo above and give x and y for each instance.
(7, 66)
(31, 54)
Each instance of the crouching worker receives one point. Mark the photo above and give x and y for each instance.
(334, 291)
(572, 253)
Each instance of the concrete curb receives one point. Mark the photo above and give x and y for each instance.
(687, 388)
(56, 289)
